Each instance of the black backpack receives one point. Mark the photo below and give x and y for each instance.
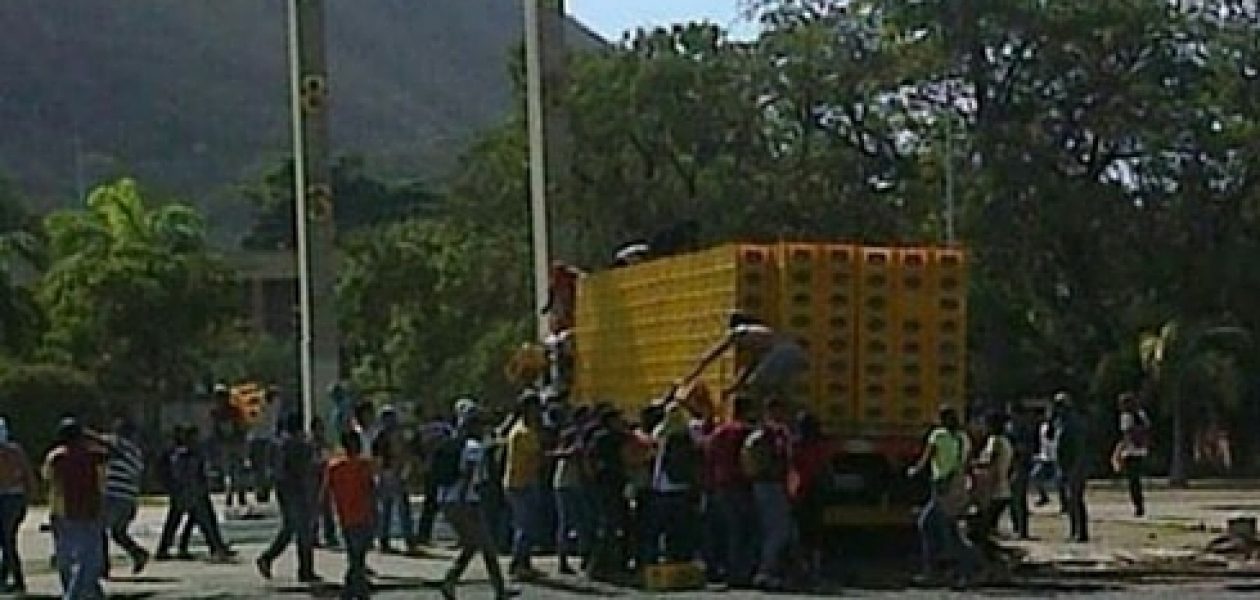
(444, 463)
(682, 459)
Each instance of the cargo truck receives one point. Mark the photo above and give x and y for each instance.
(883, 328)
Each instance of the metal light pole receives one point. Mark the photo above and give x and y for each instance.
(319, 344)
(545, 77)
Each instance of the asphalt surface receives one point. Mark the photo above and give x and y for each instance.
(872, 564)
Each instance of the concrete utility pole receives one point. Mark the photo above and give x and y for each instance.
(320, 345)
(546, 65)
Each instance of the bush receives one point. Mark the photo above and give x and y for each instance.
(35, 397)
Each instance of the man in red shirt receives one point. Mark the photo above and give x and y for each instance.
(349, 479)
(75, 468)
(732, 493)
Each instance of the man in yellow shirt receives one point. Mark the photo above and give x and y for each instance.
(522, 479)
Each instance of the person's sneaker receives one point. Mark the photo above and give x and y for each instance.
(1139, 512)
(264, 567)
(163, 556)
(388, 549)
(507, 593)
(447, 589)
(310, 578)
(140, 561)
(566, 570)
(185, 555)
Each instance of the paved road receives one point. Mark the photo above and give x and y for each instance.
(404, 577)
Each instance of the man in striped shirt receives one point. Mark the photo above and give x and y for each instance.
(123, 474)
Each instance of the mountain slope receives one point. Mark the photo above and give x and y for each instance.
(192, 95)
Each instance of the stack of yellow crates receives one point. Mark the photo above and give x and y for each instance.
(799, 279)
(885, 328)
(916, 361)
(951, 326)
(836, 297)
(877, 334)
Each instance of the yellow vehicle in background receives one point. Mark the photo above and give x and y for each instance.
(884, 330)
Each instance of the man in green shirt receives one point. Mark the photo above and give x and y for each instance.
(946, 454)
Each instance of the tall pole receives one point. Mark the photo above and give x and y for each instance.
(319, 345)
(546, 65)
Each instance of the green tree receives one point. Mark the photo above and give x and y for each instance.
(20, 257)
(133, 295)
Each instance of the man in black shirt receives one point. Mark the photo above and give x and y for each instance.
(295, 489)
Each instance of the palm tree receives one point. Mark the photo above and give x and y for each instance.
(1170, 357)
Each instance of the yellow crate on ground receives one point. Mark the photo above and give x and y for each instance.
(673, 577)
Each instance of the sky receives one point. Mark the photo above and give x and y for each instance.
(610, 18)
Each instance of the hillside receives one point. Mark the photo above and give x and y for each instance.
(191, 95)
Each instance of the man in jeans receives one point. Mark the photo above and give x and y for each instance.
(766, 456)
(295, 489)
(122, 490)
(460, 500)
(350, 483)
(522, 478)
(390, 452)
(733, 494)
(74, 468)
(17, 489)
(946, 453)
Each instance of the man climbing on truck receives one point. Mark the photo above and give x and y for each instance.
(776, 358)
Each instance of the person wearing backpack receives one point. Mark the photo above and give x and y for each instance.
(1133, 448)
(766, 456)
(676, 471)
(945, 459)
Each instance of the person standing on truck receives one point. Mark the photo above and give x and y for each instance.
(733, 494)
(1073, 459)
(1133, 448)
(777, 359)
(945, 454)
(766, 455)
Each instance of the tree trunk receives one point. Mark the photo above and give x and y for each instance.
(1178, 476)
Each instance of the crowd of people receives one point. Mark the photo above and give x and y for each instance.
(612, 495)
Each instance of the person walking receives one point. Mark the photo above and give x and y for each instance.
(123, 475)
(74, 469)
(350, 483)
(295, 490)
(189, 489)
(993, 474)
(429, 437)
(1022, 432)
(522, 479)
(459, 494)
(1073, 458)
(733, 494)
(1133, 448)
(389, 449)
(17, 489)
(1046, 464)
(325, 534)
(945, 454)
